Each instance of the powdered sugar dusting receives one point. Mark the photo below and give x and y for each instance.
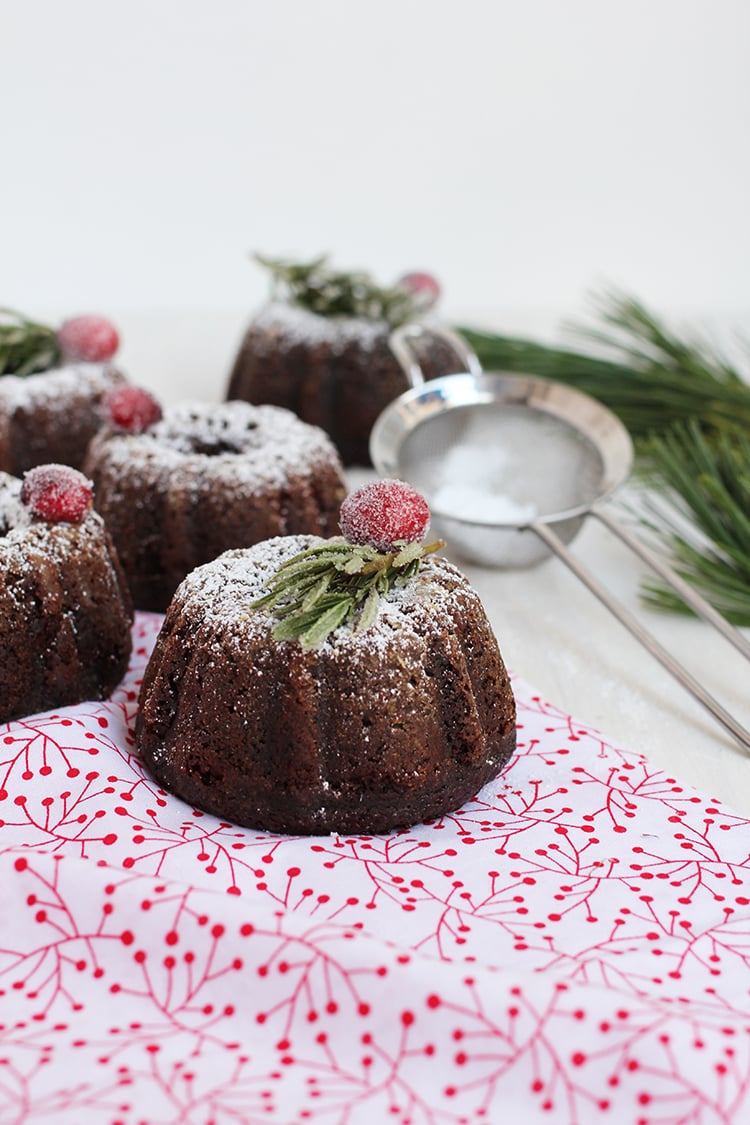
(226, 589)
(256, 446)
(59, 407)
(56, 388)
(20, 530)
(13, 513)
(284, 325)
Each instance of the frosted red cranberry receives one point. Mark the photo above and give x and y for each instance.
(57, 493)
(133, 409)
(88, 339)
(422, 286)
(383, 513)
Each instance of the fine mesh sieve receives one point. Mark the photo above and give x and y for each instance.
(511, 466)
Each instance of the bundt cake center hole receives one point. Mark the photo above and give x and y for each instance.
(211, 445)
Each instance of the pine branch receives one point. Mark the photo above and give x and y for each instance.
(647, 394)
(708, 487)
(688, 411)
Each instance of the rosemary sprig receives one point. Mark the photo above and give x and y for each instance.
(315, 286)
(324, 587)
(688, 410)
(25, 346)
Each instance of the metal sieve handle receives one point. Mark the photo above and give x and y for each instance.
(690, 596)
(641, 634)
(401, 340)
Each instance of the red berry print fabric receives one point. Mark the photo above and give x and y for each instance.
(570, 947)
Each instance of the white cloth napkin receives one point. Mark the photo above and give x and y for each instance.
(572, 946)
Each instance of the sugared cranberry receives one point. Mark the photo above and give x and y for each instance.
(57, 493)
(423, 287)
(131, 408)
(91, 339)
(383, 513)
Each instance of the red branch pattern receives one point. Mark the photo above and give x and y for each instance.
(572, 946)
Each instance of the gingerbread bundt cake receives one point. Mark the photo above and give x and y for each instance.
(177, 490)
(398, 714)
(51, 387)
(321, 349)
(65, 611)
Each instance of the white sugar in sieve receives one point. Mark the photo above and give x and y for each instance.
(511, 466)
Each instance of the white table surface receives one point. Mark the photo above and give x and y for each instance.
(552, 631)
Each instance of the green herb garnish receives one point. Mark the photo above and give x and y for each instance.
(25, 346)
(327, 292)
(324, 587)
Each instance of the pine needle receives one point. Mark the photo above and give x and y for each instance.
(688, 410)
(650, 383)
(708, 486)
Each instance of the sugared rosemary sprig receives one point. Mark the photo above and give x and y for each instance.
(25, 346)
(324, 587)
(328, 292)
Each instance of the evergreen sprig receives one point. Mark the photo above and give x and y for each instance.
(324, 587)
(688, 411)
(650, 377)
(320, 289)
(26, 346)
(705, 522)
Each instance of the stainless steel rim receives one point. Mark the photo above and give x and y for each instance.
(583, 414)
(598, 425)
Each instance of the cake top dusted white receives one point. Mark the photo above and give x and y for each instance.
(230, 591)
(262, 445)
(378, 577)
(311, 302)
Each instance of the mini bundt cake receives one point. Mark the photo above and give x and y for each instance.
(179, 489)
(51, 387)
(354, 715)
(323, 351)
(65, 610)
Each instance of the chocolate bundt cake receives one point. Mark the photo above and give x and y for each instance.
(51, 388)
(379, 725)
(65, 610)
(202, 479)
(324, 353)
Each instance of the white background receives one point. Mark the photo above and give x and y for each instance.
(525, 152)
